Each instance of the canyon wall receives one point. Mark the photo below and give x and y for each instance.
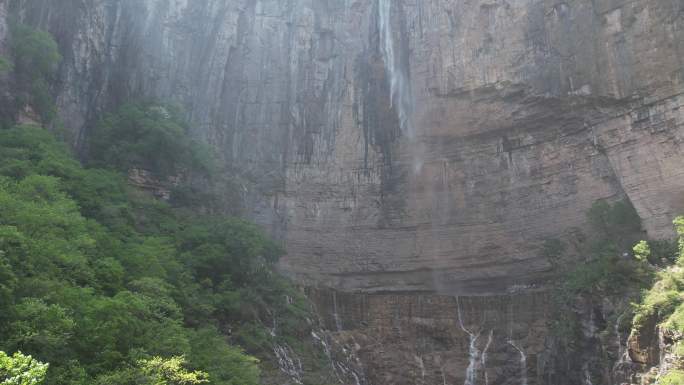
(410, 152)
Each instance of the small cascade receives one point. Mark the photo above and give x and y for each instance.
(287, 364)
(473, 352)
(484, 356)
(586, 375)
(400, 89)
(623, 365)
(523, 362)
(421, 365)
(336, 315)
(272, 331)
(349, 368)
(623, 354)
(471, 371)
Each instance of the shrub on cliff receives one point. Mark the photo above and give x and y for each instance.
(606, 272)
(146, 136)
(155, 138)
(36, 59)
(5, 65)
(675, 377)
(664, 301)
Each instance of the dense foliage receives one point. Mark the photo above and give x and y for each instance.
(609, 270)
(96, 277)
(20, 369)
(4, 65)
(663, 303)
(617, 269)
(154, 138)
(35, 62)
(146, 136)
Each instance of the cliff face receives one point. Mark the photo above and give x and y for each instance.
(405, 146)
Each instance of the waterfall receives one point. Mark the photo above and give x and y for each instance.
(350, 368)
(484, 356)
(400, 88)
(622, 365)
(473, 352)
(623, 354)
(587, 374)
(288, 365)
(523, 362)
(336, 315)
(421, 365)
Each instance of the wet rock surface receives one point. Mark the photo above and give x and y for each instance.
(441, 339)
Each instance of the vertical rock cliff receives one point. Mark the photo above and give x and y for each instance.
(412, 155)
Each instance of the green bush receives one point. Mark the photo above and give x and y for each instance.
(664, 301)
(36, 60)
(5, 65)
(675, 377)
(606, 271)
(19, 369)
(614, 227)
(146, 136)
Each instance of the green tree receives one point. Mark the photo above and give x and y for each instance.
(20, 369)
(36, 59)
(5, 65)
(43, 329)
(642, 251)
(171, 371)
(146, 136)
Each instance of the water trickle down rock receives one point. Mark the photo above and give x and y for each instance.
(288, 362)
(473, 352)
(523, 362)
(623, 364)
(348, 368)
(400, 87)
(586, 374)
(484, 356)
(336, 314)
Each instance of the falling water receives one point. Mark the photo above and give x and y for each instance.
(336, 315)
(473, 352)
(400, 89)
(288, 365)
(587, 374)
(523, 362)
(484, 356)
(421, 365)
(341, 369)
(623, 354)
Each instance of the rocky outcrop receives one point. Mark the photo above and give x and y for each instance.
(405, 150)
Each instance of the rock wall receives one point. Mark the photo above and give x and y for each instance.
(521, 114)
(432, 339)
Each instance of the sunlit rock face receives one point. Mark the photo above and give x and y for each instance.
(408, 151)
